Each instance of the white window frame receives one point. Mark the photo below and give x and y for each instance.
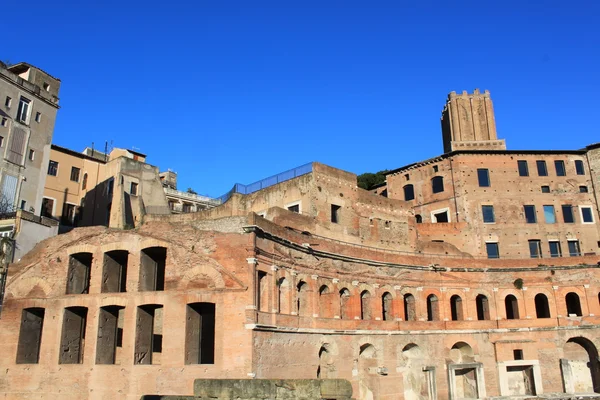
(295, 203)
(74, 212)
(441, 210)
(28, 112)
(57, 170)
(53, 204)
(581, 214)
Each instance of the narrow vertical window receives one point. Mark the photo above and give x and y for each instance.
(200, 334)
(152, 269)
(148, 335)
(456, 308)
(78, 276)
(488, 214)
(386, 306)
(335, 213)
(511, 306)
(549, 215)
(530, 216)
(559, 165)
(492, 250)
(75, 174)
(587, 216)
(109, 345)
(523, 168)
(541, 168)
(483, 307)
(73, 335)
(410, 311)
(409, 192)
(133, 190)
(52, 168)
(437, 184)
(567, 211)
(30, 336)
(23, 110)
(535, 248)
(555, 250)
(579, 169)
(574, 250)
(84, 181)
(573, 304)
(483, 177)
(542, 309)
(114, 272)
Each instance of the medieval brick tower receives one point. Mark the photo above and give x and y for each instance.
(468, 123)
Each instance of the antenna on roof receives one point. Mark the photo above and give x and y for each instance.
(106, 151)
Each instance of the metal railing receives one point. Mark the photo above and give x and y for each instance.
(265, 183)
(191, 196)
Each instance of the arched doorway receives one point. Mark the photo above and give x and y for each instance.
(580, 367)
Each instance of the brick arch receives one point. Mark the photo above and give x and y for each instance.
(501, 302)
(131, 247)
(387, 288)
(113, 301)
(199, 271)
(152, 242)
(81, 248)
(30, 287)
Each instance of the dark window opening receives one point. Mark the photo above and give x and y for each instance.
(75, 174)
(518, 354)
(573, 304)
(78, 276)
(555, 250)
(512, 307)
(133, 189)
(456, 308)
(542, 309)
(437, 184)
(530, 216)
(365, 305)
(152, 268)
(441, 217)
(47, 207)
(559, 165)
(335, 213)
(541, 168)
(574, 250)
(386, 306)
(483, 177)
(84, 181)
(409, 192)
(68, 214)
(148, 335)
(483, 308)
(433, 309)
(262, 291)
(52, 168)
(579, 167)
(523, 168)
(492, 250)
(114, 271)
(30, 336)
(73, 335)
(535, 248)
(583, 189)
(545, 189)
(435, 168)
(110, 334)
(488, 214)
(200, 334)
(567, 211)
(418, 219)
(410, 311)
(295, 208)
(586, 214)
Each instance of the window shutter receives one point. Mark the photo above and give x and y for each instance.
(17, 146)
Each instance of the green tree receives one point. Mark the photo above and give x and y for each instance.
(369, 180)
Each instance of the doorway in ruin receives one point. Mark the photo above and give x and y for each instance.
(417, 378)
(580, 367)
(326, 368)
(465, 376)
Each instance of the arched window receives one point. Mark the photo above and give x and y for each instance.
(542, 309)
(386, 306)
(437, 184)
(284, 296)
(573, 304)
(344, 297)
(483, 307)
(512, 307)
(302, 306)
(418, 218)
(324, 302)
(456, 308)
(409, 192)
(365, 305)
(84, 182)
(410, 312)
(433, 311)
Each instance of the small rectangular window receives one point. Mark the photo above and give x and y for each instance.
(579, 167)
(559, 165)
(1, 141)
(535, 248)
(435, 168)
(437, 184)
(52, 168)
(31, 154)
(555, 250)
(441, 217)
(545, 189)
(407, 177)
(23, 204)
(492, 250)
(530, 216)
(549, 215)
(523, 168)
(23, 110)
(38, 117)
(46, 87)
(574, 250)
(587, 216)
(4, 121)
(295, 208)
(335, 213)
(75, 174)
(30, 336)
(567, 211)
(488, 214)
(483, 176)
(134, 188)
(8, 102)
(541, 168)
(583, 189)
(518, 354)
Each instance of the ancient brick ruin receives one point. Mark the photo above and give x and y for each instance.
(427, 293)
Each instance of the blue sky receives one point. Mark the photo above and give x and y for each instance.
(235, 91)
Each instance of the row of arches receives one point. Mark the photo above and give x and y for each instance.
(364, 305)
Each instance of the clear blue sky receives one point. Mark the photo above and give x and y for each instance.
(226, 92)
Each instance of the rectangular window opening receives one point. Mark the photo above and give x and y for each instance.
(559, 165)
(52, 168)
(200, 334)
(568, 216)
(549, 215)
(78, 275)
(541, 168)
(574, 249)
(530, 216)
(109, 345)
(587, 216)
(38, 117)
(31, 154)
(294, 208)
(583, 189)
(488, 214)
(518, 354)
(335, 213)
(23, 110)
(148, 335)
(75, 174)
(535, 248)
(73, 335)
(114, 271)
(555, 250)
(441, 217)
(523, 168)
(134, 189)
(579, 169)
(492, 250)
(483, 177)
(30, 335)
(545, 189)
(152, 269)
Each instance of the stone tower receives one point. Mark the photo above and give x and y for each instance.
(468, 123)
